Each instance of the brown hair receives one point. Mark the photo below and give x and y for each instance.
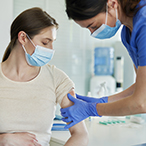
(31, 21)
(86, 9)
(129, 7)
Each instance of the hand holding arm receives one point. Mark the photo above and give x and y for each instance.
(83, 107)
(92, 100)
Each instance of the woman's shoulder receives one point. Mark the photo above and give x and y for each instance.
(49, 67)
(55, 70)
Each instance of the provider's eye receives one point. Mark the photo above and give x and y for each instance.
(94, 27)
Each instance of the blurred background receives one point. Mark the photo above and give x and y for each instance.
(93, 65)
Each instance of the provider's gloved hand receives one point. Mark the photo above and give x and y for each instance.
(83, 107)
(90, 99)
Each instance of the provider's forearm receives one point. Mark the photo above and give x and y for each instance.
(123, 107)
(128, 92)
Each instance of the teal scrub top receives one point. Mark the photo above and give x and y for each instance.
(135, 42)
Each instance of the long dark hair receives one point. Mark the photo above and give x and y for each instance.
(86, 9)
(31, 21)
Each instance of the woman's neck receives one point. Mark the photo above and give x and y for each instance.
(16, 67)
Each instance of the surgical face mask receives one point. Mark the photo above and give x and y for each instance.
(40, 57)
(105, 31)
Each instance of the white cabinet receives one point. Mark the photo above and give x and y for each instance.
(59, 138)
(53, 143)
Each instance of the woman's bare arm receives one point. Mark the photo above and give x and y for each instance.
(79, 134)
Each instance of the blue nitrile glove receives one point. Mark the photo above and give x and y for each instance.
(82, 109)
(90, 99)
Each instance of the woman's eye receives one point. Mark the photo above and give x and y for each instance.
(44, 43)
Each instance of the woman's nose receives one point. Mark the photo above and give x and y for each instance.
(51, 46)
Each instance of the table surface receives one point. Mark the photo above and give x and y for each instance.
(127, 134)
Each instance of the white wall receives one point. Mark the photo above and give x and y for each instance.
(6, 16)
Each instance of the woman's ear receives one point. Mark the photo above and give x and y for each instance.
(22, 37)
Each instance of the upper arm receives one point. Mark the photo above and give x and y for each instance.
(140, 40)
(80, 127)
(65, 101)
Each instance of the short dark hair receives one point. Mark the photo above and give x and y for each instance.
(86, 9)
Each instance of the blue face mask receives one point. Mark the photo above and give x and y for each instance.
(105, 31)
(40, 57)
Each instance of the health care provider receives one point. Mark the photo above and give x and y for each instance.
(103, 18)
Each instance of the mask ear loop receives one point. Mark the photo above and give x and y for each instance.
(24, 49)
(106, 14)
(116, 15)
(31, 40)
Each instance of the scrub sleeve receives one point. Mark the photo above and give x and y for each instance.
(135, 42)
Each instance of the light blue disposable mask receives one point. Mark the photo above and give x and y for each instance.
(40, 57)
(105, 31)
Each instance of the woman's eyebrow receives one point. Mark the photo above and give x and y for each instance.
(50, 39)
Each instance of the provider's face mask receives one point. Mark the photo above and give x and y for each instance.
(105, 31)
(40, 57)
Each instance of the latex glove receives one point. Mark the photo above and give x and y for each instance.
(81, 109)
